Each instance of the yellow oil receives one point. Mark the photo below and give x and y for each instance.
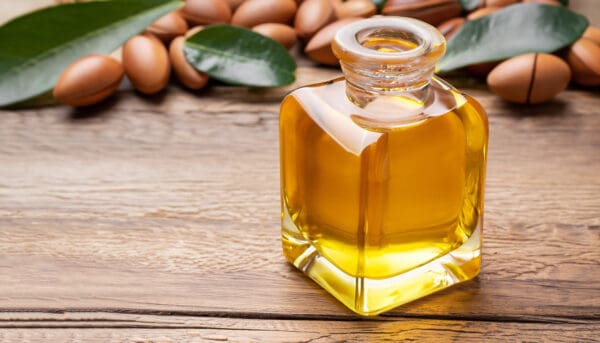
(380, 216)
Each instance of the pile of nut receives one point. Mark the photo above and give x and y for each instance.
(535, 77)
(148, 58)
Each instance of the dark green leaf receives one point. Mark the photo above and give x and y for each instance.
(512, 31)
(37, 47)
(379, 4)
(469, 5)
(44, 99)
(240, 56)
(564, 2)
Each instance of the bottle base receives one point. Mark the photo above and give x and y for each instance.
(368, 296)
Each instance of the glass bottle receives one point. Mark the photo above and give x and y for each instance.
(383, 170)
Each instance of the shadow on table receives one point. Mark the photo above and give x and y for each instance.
(107, 107)
(553, 109)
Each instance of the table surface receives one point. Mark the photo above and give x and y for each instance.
(157, 219)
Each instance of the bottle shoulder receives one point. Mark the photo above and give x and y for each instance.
(381, 111)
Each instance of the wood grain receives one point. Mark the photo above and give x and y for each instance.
(157, 219)
(172, 205)
(86, 327)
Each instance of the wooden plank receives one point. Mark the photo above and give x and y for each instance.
(153, 205)
(169, 205)
(86, 327)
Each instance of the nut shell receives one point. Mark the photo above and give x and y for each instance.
(482, 12)
(530, 78)
(593, 34)
(281, 33)
(168, 27)
(318, 48)
(233, 4)
(186, 73)
(193, 31)
(433, 12)
(498, 3)
(146, 64)
(584, 59)
(451, 26)
(88, 81)
(200, 12)
(312, 16)
(355, 8)
(255, 12)
(544, 2)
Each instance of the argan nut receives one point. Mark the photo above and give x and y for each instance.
(593, 34)
(449, 27)
(146, 63)
(584, 59)
(281, 33)
(482, 12)
(168, 27)
(88, 81)
(193, 31)
(433, 12)
(355, 8)
(497, 3)
(318, 48)
(531, 78)
(186, 73)
(255, 12)
(233, 4)
(206, 11)
(312, 16)
(544, 2)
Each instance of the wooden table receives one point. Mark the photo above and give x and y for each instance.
(157, 220)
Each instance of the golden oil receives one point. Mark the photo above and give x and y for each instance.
(382, 187)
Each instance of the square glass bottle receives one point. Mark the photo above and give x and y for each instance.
(383, 171)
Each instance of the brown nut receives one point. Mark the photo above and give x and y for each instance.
(593, 34)
(193, 31)
(281, 33)
(168, 27)
(312, 16)
(88, 81)
(186, 73)
(233, 4)
(146, 63)
(355, 8)
(544, 2)
(497, 3)
(206, 12)
(449, 27)
(318, 48)
(584, 59)
(482, 12)
(531, 78)
(255, 12)
(433, 12)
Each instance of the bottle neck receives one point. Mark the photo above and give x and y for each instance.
(365, 81)
(393, 56)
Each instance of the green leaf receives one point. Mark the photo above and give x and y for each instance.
(42, 100)
(240, 56)
(469, 5)
(564, 2)
(379, 4)
(512, 31)
(37, 47)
